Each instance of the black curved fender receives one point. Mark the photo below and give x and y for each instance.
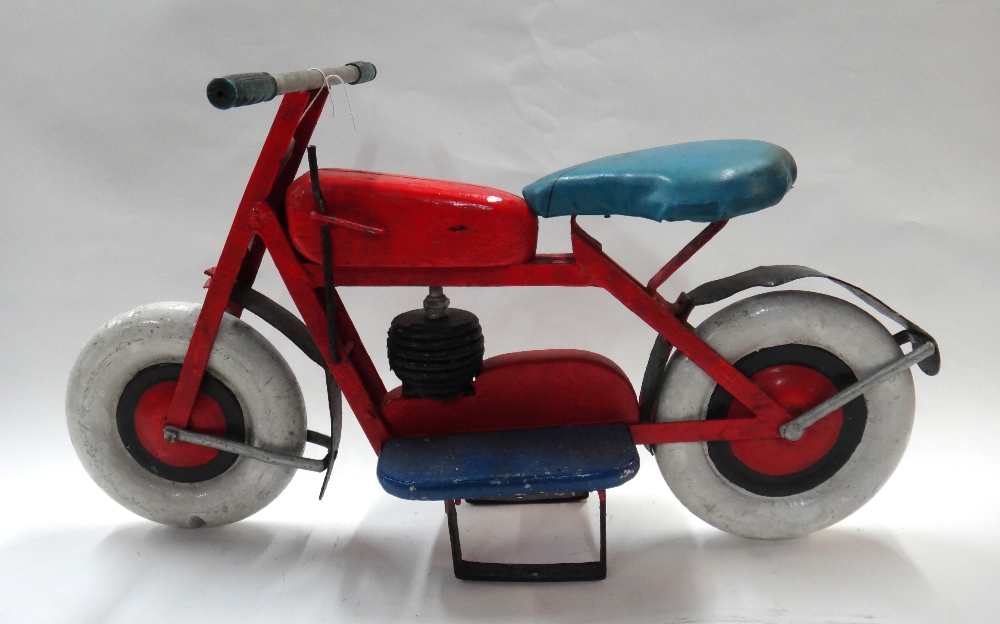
(770, 277)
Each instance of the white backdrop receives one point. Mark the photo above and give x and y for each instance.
(119, 182)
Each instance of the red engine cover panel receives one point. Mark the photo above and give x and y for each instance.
(386, 220)
(523, 391)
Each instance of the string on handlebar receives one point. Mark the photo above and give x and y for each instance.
(329, 93)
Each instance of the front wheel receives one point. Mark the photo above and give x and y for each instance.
(800, 348)
(116, 403)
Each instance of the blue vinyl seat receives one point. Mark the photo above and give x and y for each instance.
(704, 181)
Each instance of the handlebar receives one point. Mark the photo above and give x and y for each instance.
(245, 89)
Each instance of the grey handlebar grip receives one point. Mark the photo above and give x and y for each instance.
(245, 89)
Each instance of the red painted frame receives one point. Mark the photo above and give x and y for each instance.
(258, 226)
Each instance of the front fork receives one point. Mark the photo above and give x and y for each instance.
(352, 369)
(220, 288)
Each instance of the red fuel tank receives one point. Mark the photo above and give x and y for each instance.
(386, 220)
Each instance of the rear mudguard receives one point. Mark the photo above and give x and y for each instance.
(770, 277)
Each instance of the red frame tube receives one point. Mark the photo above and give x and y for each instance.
(684, 255)
(258, 226)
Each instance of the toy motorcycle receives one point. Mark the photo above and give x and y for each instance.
(781, 414)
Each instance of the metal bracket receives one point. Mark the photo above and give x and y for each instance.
(777, 275)
(175, 434)
(296, 331)
(336, 400)
(351, 225)
(794, 429)
(527, 572)
(684, 255)
(329, 293)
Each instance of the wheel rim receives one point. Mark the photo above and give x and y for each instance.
(141, 416)
(797, 377)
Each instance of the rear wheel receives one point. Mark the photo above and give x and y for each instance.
(800, 348)
(116, 405)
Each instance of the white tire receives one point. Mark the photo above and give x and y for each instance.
(774, 489)
(152, 340)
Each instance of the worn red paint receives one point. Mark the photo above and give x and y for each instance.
(241, 256)
(797, 389)
(515, 391)
(400, 231)
(151, 416)
(684, 255)
(385, 220)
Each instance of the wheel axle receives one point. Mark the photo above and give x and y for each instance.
(174, 434)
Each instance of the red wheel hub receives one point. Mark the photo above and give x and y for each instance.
(151, 418)
(797, 389)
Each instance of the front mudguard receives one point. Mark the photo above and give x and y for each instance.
(770, 277)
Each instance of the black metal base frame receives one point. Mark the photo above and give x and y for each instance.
(527, 572)
(530, 499)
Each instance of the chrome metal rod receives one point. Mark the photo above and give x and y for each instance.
(796, 428)
(313, 78)
(174, 434)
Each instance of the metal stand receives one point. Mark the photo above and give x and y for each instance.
(527, 572)
(530, 499)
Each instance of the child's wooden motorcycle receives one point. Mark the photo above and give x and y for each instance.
(779, 415)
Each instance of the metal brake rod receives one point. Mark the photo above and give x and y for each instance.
(794, 429)
(175, 434)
